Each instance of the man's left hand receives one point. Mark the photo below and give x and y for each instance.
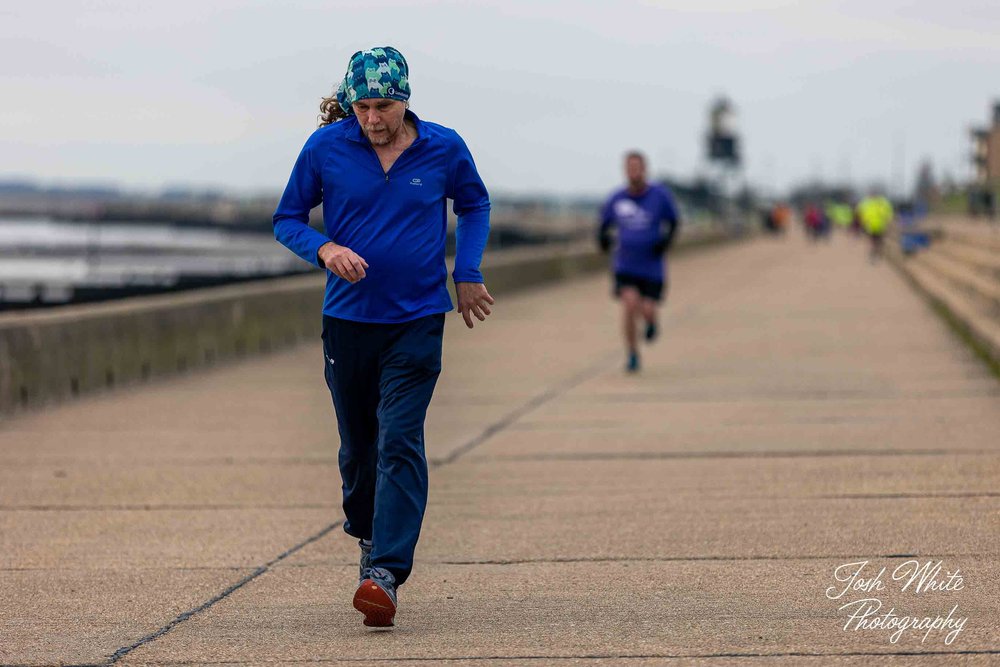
(473, 299)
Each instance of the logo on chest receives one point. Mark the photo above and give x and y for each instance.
(416, 181)
(630, 215)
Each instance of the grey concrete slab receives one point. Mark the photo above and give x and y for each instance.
(608, 437)
(589, 522)
(541, 610)
(154, 538)
(70, 615)
(664, 413)
(166, 447)
(592, 419)
(595, 481)
(682, 508)
(247, 418)
(156, 486)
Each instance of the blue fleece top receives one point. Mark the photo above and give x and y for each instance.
(396, 221)
(642, 220)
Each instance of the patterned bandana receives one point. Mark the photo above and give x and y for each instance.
(380, 72)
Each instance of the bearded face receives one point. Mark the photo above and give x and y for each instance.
(380, 119)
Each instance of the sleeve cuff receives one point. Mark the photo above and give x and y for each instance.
(315, 252)
(467, 276)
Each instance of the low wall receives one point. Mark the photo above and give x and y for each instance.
(54, 355)
(959, 275)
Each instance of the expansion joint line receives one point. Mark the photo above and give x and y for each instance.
(503, 423)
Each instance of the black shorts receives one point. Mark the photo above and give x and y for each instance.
(649, 289)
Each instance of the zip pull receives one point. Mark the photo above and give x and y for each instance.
(387, 177)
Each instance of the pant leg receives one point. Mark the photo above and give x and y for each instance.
(351, 352)
(411, 363)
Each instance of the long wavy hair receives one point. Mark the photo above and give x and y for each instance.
(330, 111)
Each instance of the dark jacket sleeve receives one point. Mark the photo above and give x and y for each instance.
(604, 226)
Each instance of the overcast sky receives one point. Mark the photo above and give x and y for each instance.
(547, 94)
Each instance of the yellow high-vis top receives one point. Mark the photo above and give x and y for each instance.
(876, 213)
(841, 214)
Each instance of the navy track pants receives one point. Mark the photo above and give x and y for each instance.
(381, 378)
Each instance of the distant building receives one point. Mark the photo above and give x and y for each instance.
(985, 189)
(722, 142)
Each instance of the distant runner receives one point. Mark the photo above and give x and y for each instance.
(875, 213)
(646, 220)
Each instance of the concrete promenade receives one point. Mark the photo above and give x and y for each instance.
(802, 410)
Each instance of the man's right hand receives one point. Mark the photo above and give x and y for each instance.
(344, 262)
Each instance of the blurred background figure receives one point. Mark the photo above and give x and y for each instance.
(775, 218)
(840, 214)
(815, 221)
(783, 216)
(767, 221)
(875, 213)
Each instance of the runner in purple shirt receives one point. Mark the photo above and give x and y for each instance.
(646, 221)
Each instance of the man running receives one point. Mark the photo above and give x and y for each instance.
(876, 214)
(383, 176)
(646, 219)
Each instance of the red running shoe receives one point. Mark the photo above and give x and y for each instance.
(376, 598)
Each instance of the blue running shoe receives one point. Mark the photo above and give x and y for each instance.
(633, 363)
(376, 598)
